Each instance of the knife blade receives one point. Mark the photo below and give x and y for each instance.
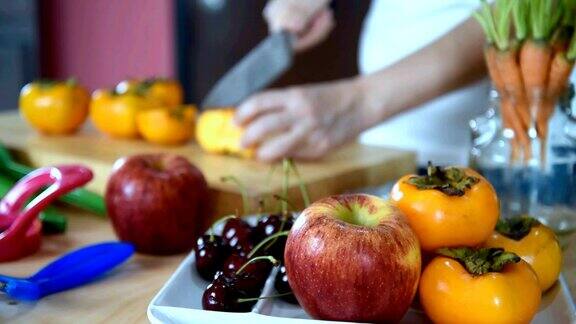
(259, 68)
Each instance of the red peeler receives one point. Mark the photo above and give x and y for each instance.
(20, 229)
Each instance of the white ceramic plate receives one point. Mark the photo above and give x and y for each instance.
(179, 301)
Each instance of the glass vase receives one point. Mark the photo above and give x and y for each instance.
(543, 184)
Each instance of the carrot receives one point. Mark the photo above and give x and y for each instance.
(560, 70)
(560, 40)
(535, 60)
(501, 59)
(490, 53)
(513, 122)
(507, 114)
(507, 65)
(546, 19)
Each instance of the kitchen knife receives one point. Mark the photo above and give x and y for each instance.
(258, 69)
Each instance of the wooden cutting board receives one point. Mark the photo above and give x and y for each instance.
(351, 167)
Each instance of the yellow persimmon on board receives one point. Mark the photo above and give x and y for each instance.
(535, 243)
(216, 133)
(115, 114)
(54, 107)
(167, 92)
(167, 126)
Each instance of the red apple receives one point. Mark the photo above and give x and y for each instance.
(353, 258)
(158, 202)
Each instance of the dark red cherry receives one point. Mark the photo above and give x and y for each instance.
(252, 278)
(237, 232)
(283, 286)
(271, 224)
(233, 263)
(266, 226)
(220, 295)
(210, 254)
(244, 248)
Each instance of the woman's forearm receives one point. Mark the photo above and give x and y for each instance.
(452, 61)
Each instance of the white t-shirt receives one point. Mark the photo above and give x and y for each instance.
(437, 130)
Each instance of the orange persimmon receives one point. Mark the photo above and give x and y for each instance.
(167, 92)
(54, 107)
(479, 286)
(114, 114)
(448, 207)
(216, 133)
(167, 126)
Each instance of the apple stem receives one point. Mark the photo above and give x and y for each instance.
(244, 300)
(266, 240)
(303, 189)
(218, 221)
(243, 191)
(252, 260)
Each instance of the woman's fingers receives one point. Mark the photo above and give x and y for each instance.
(265, 127)
(259, 104)
(317, 31)
(287, 15)
(316, 145)
(284, 144)
(309, 20)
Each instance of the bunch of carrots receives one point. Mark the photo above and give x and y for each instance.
(530, 53)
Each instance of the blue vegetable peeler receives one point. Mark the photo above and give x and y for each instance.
(69, 271)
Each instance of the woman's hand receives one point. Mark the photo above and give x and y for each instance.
(304, 122)
(310, 20)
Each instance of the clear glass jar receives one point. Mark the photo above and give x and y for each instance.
(543, 187)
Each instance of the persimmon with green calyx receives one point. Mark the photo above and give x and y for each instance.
(54, 107)
(167, 92)
(486, 285)
(448, 207)
(534, 242)
(167, 125)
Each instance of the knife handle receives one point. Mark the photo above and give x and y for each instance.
(80, 267)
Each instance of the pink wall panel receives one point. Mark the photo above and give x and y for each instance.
(101, 42)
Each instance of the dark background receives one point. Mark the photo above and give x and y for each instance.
(208, 42)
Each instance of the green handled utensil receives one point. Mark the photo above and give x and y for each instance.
(53, 222)
(80, 198)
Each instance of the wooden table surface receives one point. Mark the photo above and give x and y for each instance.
(123, 295)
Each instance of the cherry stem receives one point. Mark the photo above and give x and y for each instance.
(243, 300)
(285, 184)
(265, 257)
(243, 191)
(284, 199)
(218, 221)
(266, 240)
(303, 189)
